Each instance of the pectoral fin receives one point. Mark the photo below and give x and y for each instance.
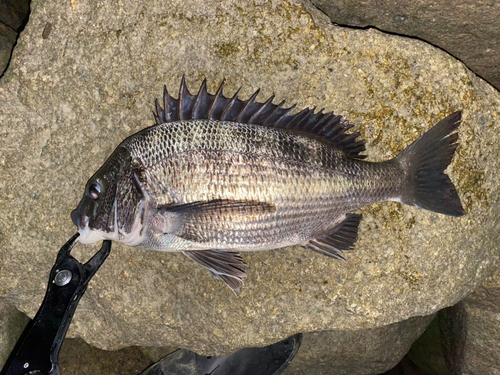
(342, 237)
(201, 221)
(224, 265)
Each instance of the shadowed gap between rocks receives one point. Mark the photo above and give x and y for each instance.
(14, 15)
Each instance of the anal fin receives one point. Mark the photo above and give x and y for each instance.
(341, 238)
(224, 265)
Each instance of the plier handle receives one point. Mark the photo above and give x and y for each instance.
(37, 350)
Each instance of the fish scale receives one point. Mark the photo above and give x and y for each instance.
(219, 175)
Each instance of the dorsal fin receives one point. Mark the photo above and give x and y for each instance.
(328, 126)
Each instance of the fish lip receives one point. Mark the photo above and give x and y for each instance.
(81, 221)
(75, 218)
(89, 236)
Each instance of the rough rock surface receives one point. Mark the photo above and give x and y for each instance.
(12, 323)
(471, 331)
(337, 352)
(68, 100)
(468, 29)
(365, 351)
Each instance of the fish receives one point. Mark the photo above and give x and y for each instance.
(217, 176)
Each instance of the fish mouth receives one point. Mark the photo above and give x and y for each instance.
(87, 235)
(90, 235)
(79, 220)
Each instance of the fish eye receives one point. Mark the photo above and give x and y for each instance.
(95, 190)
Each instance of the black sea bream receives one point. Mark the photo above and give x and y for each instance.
(216, 176)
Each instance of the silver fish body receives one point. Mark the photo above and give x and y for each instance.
(212, 187)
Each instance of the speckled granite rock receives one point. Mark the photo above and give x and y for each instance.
(12, 323)
(471, 331)
(68, 100)
(468, 29)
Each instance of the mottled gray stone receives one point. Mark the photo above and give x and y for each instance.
(67, 101)
(12, 324)
(471, 331)
(365, 351)
(468, 29)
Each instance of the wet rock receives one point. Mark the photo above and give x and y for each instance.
(67, 101)
(469, 30)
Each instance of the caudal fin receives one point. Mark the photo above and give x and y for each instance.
(425, 161)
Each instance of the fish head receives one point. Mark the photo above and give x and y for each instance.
(96, 216)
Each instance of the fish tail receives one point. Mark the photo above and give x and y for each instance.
(425, 160)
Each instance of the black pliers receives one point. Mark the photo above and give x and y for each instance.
(37, 350)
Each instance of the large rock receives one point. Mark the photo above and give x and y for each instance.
(469, 30)
(338, 352)
(360, 352)
(68, 100)
(471, 331)
(12, 324)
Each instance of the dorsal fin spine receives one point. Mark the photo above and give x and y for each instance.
(325, 119)
(310, 114)
(328, 126)
(166, 105)
(229, 105)
(201, 94)
(216, 99)
(267, 121)
(260, 110)
(183, 93)
(296, 118)
(283, 116)
(331, 128)
(158, 110)
(250, 101)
